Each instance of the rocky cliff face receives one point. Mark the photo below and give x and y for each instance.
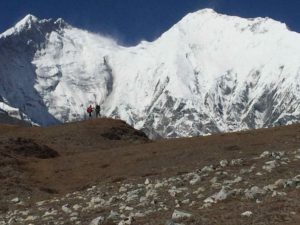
(208, 73)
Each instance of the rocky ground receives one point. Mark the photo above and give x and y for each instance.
(260, 190)
(235, 179)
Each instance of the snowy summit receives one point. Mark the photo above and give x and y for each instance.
(208, 73)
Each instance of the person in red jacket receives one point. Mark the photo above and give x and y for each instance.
(89, 111)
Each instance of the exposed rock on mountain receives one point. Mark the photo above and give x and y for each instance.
(208, 73)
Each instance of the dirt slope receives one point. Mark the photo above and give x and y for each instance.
(109, 154)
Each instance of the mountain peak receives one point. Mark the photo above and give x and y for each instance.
(26, 23)
(28, 19)
(61, 23)
(207, 10)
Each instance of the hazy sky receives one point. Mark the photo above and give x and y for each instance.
(130, 21)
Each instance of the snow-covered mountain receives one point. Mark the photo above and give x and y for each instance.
(208, 73)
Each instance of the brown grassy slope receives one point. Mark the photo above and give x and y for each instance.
(108, 150)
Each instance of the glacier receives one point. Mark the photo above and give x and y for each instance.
(209, 73)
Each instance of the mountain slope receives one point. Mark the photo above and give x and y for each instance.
(74, 173)
(208, 73)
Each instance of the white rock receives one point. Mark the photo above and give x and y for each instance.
(280, 183)
(97, 200)
(258, 201)
(236, 162)
(31, 218)
(40, 203)
(192, 203)
(91, 188)
(97, 221)
(186, 201)
(158, 185)
(180, 215)
(147, 181)
(66, 209)
(143, 199)
(270, 165)
(270, 187)
(264, 154)
(196, 179)
(223, 194)
(15, 200)
(139, 215)
(76, 207)
(209, 200)
(207, 169)
(25, 213)
(200, 196)
(206, 205)
(151, 193)
(224, 163)
(126, 221)
(122, 189)
(213, 180)
(127, 208)
(113, 215)
(254, 192)
(73, 218)
(51, 212)
(278, 193)
(247, 214)
(74, 214)
(236, 180)
(199, 190)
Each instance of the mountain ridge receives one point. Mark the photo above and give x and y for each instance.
(208, 73)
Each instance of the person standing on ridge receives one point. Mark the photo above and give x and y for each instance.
(89, 111)
(97, 108)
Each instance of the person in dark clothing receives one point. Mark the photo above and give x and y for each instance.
(97, 110)
(89, 111)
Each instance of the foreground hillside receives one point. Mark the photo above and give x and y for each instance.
(104, 172)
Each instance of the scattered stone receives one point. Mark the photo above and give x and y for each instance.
(265, 154)
(15, 200)
(224, 163)
(278, 193)
(113, 215)
(209, 200)
(254, 192)
(270, 187)
(180, 215)
(97, 221)
(31, 218)
(186, 201)
(147, 181)
(236, 162)
(196, 179)
(76, 207)
(50, 212)
(270, 165)
(207, 169)
(66, 209)
(122, 189)
(127, 220)
(280, 183)
(199, 190)
(223, 194)
(247, 214)
(213, 180)
(40, 203)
